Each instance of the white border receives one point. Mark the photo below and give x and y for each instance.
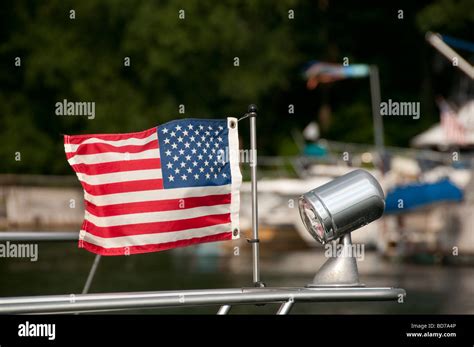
(236, 175)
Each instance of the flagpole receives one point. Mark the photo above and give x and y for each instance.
(436, 41)
(252, 114)
(91, 275)
(376, 117)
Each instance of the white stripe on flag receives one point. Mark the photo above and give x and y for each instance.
(124, 176)
(112, 156)
(147, 239)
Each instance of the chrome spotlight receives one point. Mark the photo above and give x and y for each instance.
(342, 205)
(335, 209)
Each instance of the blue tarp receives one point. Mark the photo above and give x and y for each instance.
(421, 194)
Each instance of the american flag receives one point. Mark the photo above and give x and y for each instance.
(454, 130)
(170, 186)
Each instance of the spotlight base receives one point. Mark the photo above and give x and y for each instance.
(340, 271)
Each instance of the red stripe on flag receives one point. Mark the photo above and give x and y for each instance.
(96, 148)
(157, 227)
(78, 139)
(122, 187)
(153, 247)
(154, 206)
(117, 166)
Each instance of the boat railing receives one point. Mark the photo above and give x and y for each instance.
(286, 297)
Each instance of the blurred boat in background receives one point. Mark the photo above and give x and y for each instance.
(429, 200)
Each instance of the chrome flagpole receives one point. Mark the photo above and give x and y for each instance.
(252, 114)
(255, 241)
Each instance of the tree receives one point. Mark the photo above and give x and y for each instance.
(138, 61)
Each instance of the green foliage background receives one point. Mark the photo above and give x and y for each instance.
(190, 62)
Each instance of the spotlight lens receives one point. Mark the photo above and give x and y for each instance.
(311, 221)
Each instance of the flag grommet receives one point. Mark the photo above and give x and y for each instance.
(236, 232)
(232, 124)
